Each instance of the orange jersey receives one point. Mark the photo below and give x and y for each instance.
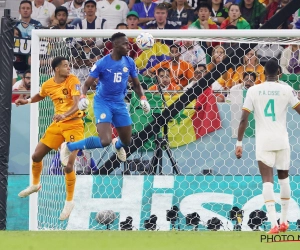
(181, 73)
(259, 70)
(171, 86)
(226, 79)
(62, 94)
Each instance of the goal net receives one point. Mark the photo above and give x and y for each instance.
(181, 170)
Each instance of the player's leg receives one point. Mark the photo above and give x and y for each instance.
(282, 165)
(72, 131)
(37, 166)
(70, 181)
(50, 140)
(103, 117)
(122, 141)
(266, 161)
(122, 122)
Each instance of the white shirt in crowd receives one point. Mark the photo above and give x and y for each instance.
(74, 12)
(15, 76)
(194, 55)
(114, 13)
(43, 13)
(17, 84)
(270, 101)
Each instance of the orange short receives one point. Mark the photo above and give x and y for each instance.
(58, 132)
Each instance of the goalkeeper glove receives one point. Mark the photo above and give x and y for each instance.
(83, 103)
(145, 104)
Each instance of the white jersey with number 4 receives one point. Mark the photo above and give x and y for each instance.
(270, 101)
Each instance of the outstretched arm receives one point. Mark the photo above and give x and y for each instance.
(35, 98)
(242, 127)
(87, 84)
(137, 88)
(83, 103)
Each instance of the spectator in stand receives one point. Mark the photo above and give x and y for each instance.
(254, 12)
(290, 60)
(58, 44)
(75, 11)
(43, 12)
(192, 53)
(204, 22)
(161, 22)
(250, 63)
(61, 15)
(83, 56)
(181, 71)
(134, 50)
(113, 11)
(217, 57)
(219, 13)
(181, 13)
(164, 80)
(26, 24)
(145, 11)
(249, 78)
(23, 84)
(92, 21)
(199, 72)
(273, 7)
(235, 18)
(224, 82)
(132, 19)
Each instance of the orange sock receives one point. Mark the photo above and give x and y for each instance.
(36, 172)
(70, 185)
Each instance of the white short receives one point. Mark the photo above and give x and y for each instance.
(280, 158)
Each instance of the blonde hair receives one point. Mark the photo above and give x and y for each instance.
(214, 51)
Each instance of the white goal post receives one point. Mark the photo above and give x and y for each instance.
(282, 37)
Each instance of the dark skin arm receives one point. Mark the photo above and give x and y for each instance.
(137, 88)
(87, 84)
(242, 127)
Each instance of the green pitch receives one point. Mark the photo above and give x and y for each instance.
(142, 240)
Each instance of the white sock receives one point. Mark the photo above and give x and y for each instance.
(269, 197)
(285, 195)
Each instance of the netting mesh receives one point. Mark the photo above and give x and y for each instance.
(213, 190)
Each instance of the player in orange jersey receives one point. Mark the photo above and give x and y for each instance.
(64, 91)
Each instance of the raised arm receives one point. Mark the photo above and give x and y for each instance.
(87, 84)
(35, 98)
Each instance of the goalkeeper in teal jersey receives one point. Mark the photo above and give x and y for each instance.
(113, 72)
